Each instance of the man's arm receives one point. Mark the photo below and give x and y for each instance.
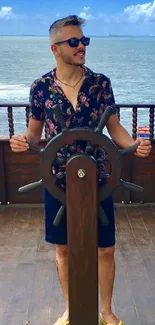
(122, 138)
(19, 143)
(36, 114)
(118, 133)
(34, 131)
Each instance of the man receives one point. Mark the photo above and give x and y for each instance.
(82, 95)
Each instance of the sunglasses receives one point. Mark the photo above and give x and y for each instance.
(74, 41)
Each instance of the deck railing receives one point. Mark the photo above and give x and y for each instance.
(17, 170)
(134, 107)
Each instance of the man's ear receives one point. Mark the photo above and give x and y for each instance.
(54, 49)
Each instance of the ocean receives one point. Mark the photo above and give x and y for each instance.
(128, 61)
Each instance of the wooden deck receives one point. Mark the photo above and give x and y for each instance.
(29, 286)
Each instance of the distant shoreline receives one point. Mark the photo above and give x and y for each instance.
(92, 36)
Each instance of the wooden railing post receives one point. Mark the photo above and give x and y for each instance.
(10, 120)
(134, 122)
(3, 182)
(151, 123)
(27, 109)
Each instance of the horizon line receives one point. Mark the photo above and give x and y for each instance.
(98, 36)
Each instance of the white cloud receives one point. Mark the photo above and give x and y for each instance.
(144, 12)
(134, 13)
(6, 12)
(86, 14)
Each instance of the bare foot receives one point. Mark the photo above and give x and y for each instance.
(64, 318)
(110, 318)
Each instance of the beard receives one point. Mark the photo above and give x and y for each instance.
(73, 59)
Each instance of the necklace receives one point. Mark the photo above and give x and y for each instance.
(73, 87)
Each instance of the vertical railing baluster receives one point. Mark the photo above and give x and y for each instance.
(134, 122)
(27, 110)
(151, 120)
(10, 121)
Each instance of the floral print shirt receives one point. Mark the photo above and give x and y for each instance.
(94, 96)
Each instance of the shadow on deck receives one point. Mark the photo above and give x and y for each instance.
(29, 286)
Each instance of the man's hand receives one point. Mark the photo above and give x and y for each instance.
(18, 143)
(144, 147)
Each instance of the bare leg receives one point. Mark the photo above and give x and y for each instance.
(62, 269)
(106, 266)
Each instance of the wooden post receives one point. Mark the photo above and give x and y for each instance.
(3, 194)
(82, 214)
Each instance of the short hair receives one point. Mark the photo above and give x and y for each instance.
(56, 27)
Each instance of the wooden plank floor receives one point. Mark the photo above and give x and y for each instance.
(29, 286)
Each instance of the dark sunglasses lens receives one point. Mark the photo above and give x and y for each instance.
(73, 42)
(85, 41)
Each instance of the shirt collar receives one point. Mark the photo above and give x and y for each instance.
(89, 74)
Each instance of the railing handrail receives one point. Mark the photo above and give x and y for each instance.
(117, 105)
(14, 104)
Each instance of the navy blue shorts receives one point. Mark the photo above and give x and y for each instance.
(58, 235)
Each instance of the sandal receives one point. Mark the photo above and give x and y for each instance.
(104, 323)
(60, 321)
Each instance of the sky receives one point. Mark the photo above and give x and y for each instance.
(103, 17)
